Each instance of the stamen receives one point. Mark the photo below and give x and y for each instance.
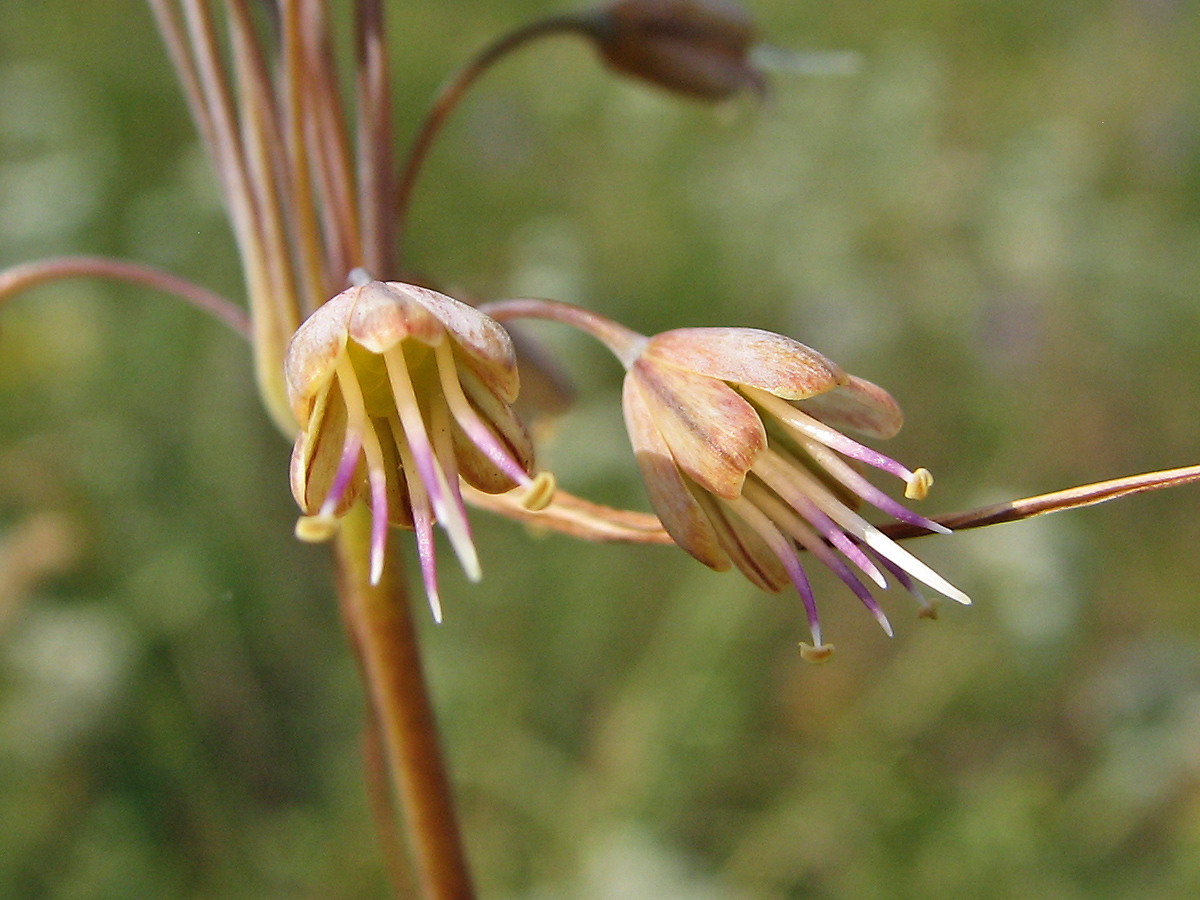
(444, 455)
(448, 508)
(778, 475)
(413, 427)
(783, 549)
(481, 436)
(869, 534)
(341, 481)
(418, 499)
(918, 486)
(443, 444)
(315, 529)
(927, 609)
(844, 472)
(379, 521)
(540, 492)
(781, 515)
(815, 655)
(801, 422)
(358, 422)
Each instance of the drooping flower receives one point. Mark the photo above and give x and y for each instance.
(400, 391)
(696, 47)
(738, 433)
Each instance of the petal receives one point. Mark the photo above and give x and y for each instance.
(508, 430)
(713, 433)
(474, 467)
(386, 314)
(313, 352)
(488, 348)
(670, 497)
(859, 406)
(317, 454)
(746, 547)
(399, 505)
(761, 359)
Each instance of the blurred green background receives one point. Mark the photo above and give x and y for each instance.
(997, 217)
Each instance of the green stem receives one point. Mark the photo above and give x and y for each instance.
(381, 628)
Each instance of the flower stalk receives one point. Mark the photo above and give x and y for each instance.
(378, 619)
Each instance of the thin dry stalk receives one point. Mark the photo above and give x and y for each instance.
(1056, 501)
(28, 275)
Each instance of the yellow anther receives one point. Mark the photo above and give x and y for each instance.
(918, 485)
(540, 492)
(314, 529)
(819, 654)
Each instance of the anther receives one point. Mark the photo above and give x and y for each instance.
(817, 654)
(540, 492)
(918, 484)
(315, 529)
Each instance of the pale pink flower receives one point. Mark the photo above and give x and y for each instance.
(400, 391)
(738, 433)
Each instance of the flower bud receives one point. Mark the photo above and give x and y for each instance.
(695, 47)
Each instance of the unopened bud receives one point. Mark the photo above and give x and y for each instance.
(696, 47)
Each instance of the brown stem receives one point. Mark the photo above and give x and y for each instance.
(325, 133)
(295, 91)
(27, 275)
(624, 343)
(452, 91)
(374, 138)
(377, 617)
(1057, 501)
(383, 810)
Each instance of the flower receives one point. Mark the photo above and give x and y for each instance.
(738, 436)
(400, 391)
(695, 47)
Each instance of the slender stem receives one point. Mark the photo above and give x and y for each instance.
(274, 313)
(294, 90)
(266, 161)
(379, 791)
(325, 133)
(452, 91)
(381, 628)
(374, 138)
(625, 343)
(28, 275)
(1057, 501)
(574, 516)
